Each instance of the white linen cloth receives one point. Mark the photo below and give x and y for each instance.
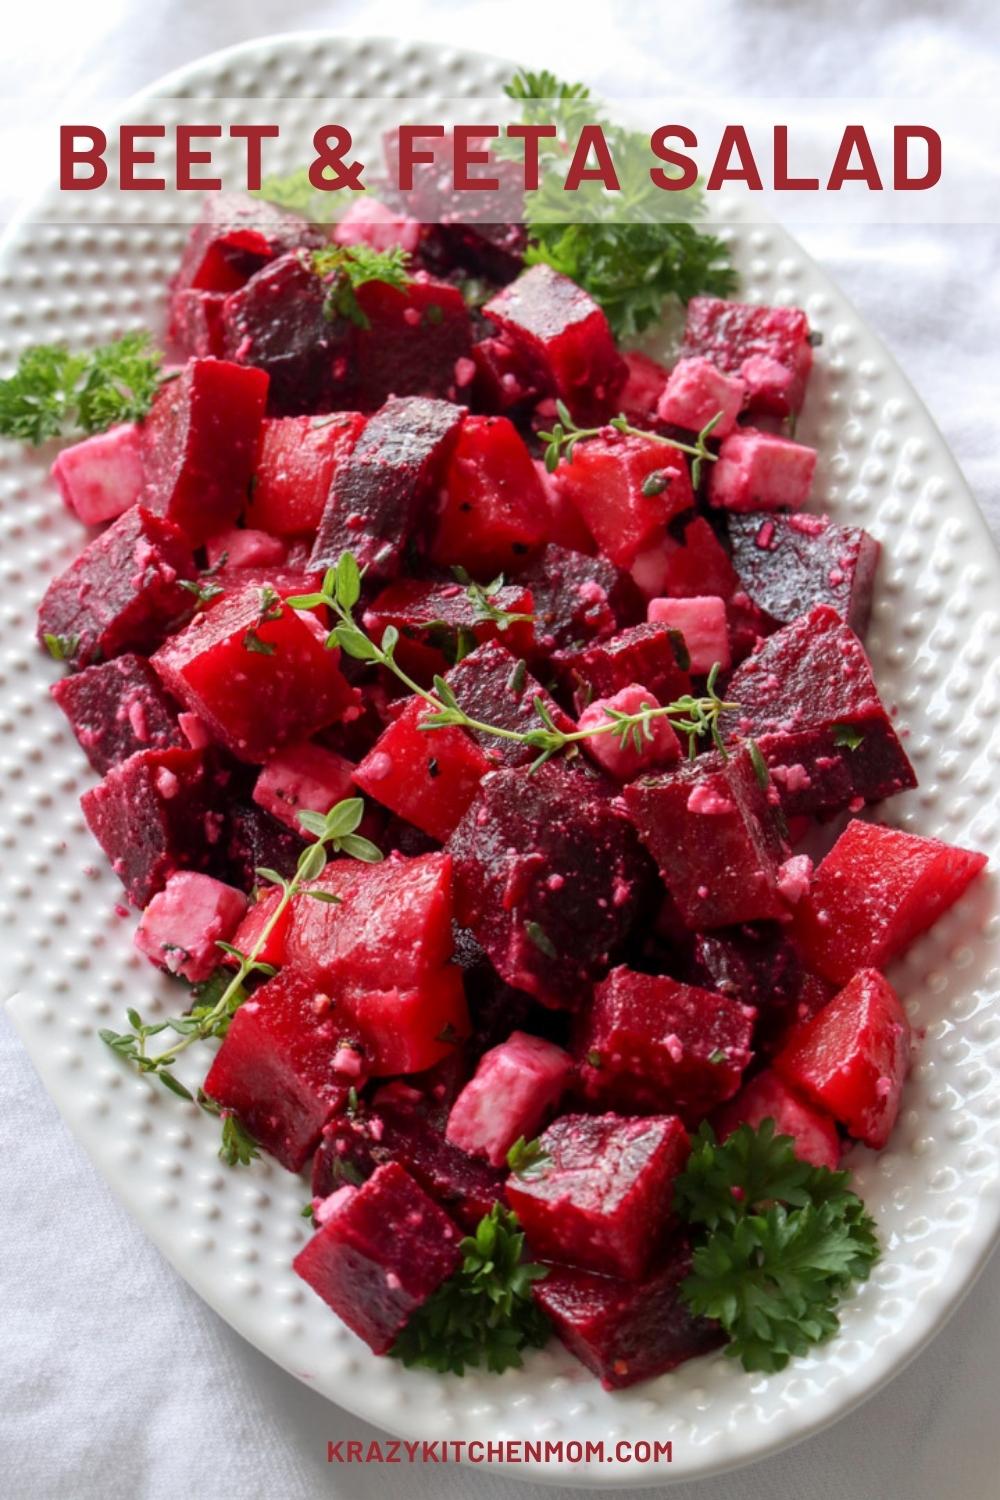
(116, 1382)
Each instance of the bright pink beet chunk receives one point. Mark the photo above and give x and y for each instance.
(808, 700)
(768, 1097)
(296, 462)
(495, 686)
(427, 776)
(256, 672)
(515, 1086)
(688, 562)
(758, 471)
(122, 593)
(696, 392)
(242, 547)
(642, 750)
(182, 926)
(651, 654)
(626, 1331)
(648, 1043)
(600, 1195)
(873, 895)
(303, 777)
(701, 620)
(625, 489)
(491, 509)
(547, 877)
(789, 564)
(769, 348)
(199, 444)
(116, 708)
(382, 1251)
(151, 817)
(101, 477)
(853, 1056)
(277, 1068)
(251, 931)
(380, 491)
(562, 331)
(714, 833)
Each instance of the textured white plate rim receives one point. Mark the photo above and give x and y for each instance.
(806, 1417)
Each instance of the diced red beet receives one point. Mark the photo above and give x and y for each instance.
(101, 477)
(577, 598)
(600, 1195)
(121, 593)
(768, 347)
(256, 672)
(789, 564)
(408, 1029)
(564, 330)
(382, 1251)
(626, 489)
(116, 708)
(547, 877)
(150, 815)
(516, 1086)
(505, 377)
(701, 620)
(768, 1097)
(256, 841)
(199, 444)
(853, 1057)
(641, 749)
(646, 379)
(184, 923)
(759, 965)
(418, 342)
(491, 509)
(392, 925)
(195, 327)
(235, 235)
(809, 702)
(759, 471)
(303, 777)
(714, 833)
(649, 1043)
(697, 392)
(652, 654)
(564, 524)
(495, 686)
(296, 462)
(251, 928)
(875, 892)
(379, 492)
(626, 1331)
(428, 776)
(438, 622)
(686, 563)
(242, 547)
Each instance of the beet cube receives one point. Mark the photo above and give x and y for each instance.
(491, 509)
(505, 377)
(150, 816)
(427, 776)
(767, 347)
(873, 895)
(242, 547)
(789, 564)
(599, 1197)
(116, 708)
(407, 1029)
(646, 379)
(236, 235)
(687, 563)
(577, 598)
(195, 327)
(759, 965)
(493, 685)
(649, 1043)
(768, 1097)
(759, 471)
(256, 672)
(122, 593)
(548, 878)
(379, 492)
(184, 923)
(809, 701)
(417, 342)
(101, 477)
(251, 928)
(255, 840)
(303, 777)
(697, 392)
(515, 1087)
(852, 1057)
(625, 489)
(714, 833)
(438, 623)
(382, 1251)
(652, 654)
(297, 460)
(626, 1331)
(562, 329)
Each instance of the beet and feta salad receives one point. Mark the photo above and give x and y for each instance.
(462, 690)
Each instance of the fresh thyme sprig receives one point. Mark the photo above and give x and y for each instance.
(333, 832)
(698, 718)
(527, 1159)
(564, 436)
(483, 598)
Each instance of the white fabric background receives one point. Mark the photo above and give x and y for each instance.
(116, 1383)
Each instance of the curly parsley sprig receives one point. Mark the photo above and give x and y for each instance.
(53, 393)
(564, 436)
(344, 268)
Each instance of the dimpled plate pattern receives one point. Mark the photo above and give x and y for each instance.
(935, 643)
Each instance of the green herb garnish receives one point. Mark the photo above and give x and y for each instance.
(344, 268)
(54, 393)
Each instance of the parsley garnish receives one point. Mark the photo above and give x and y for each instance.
(346, 267)
(847, 736)
(528, 1159)
(61, 647)
(53, 392)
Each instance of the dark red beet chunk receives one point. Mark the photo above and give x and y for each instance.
(151, 817)
(491, 510)
(626, 1331)
(689, 562)
(505, 377)
(653, 655)
(379, 494)
(714, 832)
(809, 701)
(768, 347)
(873, 895)
(382, 1250)
(759, 966)
(600, 1197)
(256, 840)
(418, 342)
(428, 776)
(199, 444)
(122, 592)
(648, 1043)
(768, 1097)
(296, 463)
(235, 236)
(496, 687)
(195, 330)
(437, 622)
(547, 876)
(116, 708)
(561, 328)
(788, 564)
(257, 673)
(577, 598)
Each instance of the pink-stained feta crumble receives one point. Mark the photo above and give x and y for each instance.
(514, 1087)
(182, 926)
(303, 777)
(645, 751)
